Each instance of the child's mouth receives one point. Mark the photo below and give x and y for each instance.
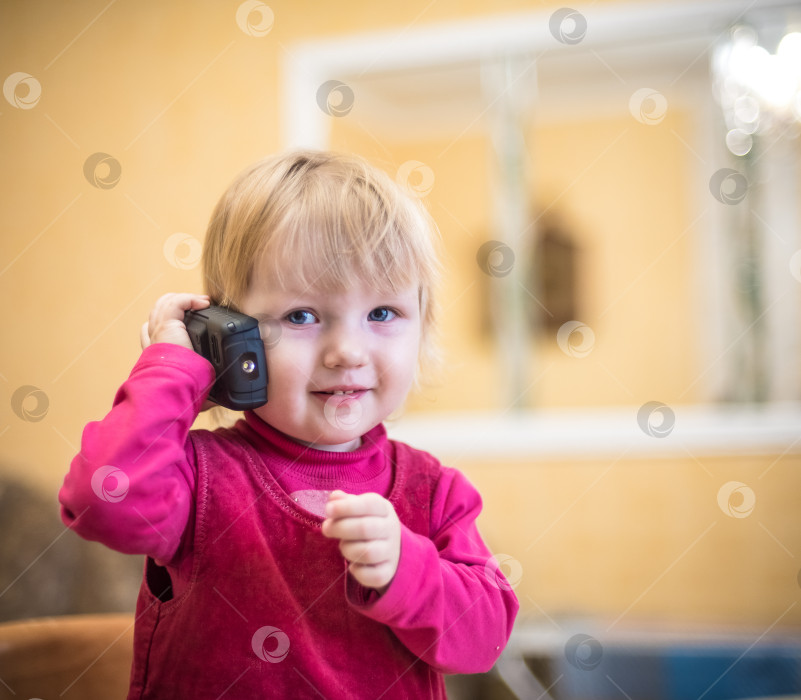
(341, 394)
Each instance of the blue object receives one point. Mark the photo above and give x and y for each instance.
(727, 673)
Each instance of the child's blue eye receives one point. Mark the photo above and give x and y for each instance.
(382, 313)
(300, 317)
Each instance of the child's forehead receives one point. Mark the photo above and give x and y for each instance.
(353, 288)
(299, 279)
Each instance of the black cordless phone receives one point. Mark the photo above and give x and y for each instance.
(232, 343)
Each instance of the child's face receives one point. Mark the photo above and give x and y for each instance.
(361, 341)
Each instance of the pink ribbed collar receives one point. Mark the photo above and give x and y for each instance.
(286, 454)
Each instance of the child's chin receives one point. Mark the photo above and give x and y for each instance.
(345, 439)
(338, 444)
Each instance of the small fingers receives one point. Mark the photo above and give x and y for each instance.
(356, 528)
(367, 552)
(373, 576)
(342, 505)
(166, 321)
(174, 305)
(368, 531)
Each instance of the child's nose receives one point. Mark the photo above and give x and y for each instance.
(345, 348)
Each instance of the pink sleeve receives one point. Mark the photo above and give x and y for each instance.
(449, 604)
(131, 486)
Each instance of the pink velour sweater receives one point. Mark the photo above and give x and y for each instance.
(242, 596)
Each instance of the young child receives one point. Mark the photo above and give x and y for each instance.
(300, 553)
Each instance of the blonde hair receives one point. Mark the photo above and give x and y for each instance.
(321, 219)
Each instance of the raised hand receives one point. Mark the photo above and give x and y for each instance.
(166, 321)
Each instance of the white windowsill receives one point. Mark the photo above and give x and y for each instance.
(599, 433)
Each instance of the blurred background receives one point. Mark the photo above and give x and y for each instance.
(617, 189)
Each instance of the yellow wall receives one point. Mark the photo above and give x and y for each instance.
(629, 540)
(183, 99)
